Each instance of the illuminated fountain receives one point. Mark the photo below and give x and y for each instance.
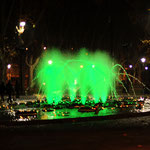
(84, 75)
(82, 82)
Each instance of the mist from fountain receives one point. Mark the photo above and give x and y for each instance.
(79, 75)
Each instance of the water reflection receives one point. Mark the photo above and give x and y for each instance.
(23, 112)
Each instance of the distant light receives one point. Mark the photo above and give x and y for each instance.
(130, 66)
(146, 68)
(44, 83)
(93, 66)
(22, 23)
(50, 62)
(143, 60)
(44, 48)
(27, 49)
(81, 66)
(141, 98)
(9, 66)
(33, 25)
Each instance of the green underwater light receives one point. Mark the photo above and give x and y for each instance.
(81, 75)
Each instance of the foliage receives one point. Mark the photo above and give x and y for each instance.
(7, 53)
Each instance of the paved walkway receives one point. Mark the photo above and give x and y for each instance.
(121, 134)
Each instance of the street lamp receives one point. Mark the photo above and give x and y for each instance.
(9, 66)
(143, 60)
(146, 68)
(44, 48)
(130, 66)
(9, 73)
(21, 27)
(22, 23)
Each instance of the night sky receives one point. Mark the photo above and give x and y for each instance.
(95, 24)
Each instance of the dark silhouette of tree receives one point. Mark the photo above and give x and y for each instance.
(7, 53)
(7, 37)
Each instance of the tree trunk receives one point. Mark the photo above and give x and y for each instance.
(140, 73)
(3, 71)
(31, 69)
(31, 66)
(134, 74)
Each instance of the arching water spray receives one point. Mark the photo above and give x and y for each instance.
(118, 65)
(139, 81)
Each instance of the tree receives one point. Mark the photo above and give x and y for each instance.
(33, 52)
(31, 64)
(7, 36)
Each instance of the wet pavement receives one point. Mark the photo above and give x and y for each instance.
(27, 110)
(21, 108)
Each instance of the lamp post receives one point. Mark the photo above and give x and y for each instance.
(21, 27)
(143, 60)
(20, 30)
(9, 72)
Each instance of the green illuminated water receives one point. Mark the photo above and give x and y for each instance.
(84, 74)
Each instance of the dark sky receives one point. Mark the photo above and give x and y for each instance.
(102, 24)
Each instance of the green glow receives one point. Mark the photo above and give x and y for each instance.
(83, 74)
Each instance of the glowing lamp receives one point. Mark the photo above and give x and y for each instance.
(146, 68)
(9, 66)
(21, 28)
(130, 66)
(143, 60)
(22, 23)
